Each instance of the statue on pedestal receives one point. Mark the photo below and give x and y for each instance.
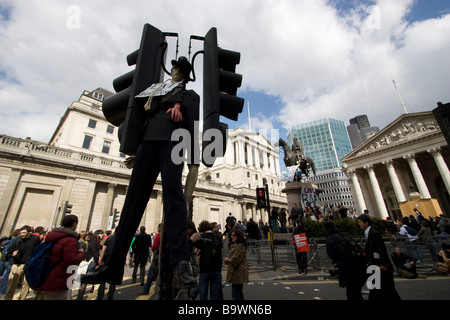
(296, 157)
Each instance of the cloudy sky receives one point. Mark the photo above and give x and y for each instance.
(301, 60)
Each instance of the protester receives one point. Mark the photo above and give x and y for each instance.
(141, 246)
(237, 271)
(210, 252)
(104, 255)
(20, 250)
(65, 252)
(301, 257)
(406, 266)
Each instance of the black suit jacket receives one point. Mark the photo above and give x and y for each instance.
(375, 250)
(159, 126)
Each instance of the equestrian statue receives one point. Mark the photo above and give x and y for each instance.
(296, 157)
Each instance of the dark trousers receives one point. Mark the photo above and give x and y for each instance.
(153, 158)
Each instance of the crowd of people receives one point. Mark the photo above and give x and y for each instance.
(89, 250)
(86, 250)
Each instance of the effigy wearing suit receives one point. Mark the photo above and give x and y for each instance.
(153, 157)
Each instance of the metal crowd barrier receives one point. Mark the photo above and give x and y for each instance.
(283, 253)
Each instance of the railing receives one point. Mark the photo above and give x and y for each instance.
(27, 147)
(259, 252)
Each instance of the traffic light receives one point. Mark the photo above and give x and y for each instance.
(124, 109)
(220, 84)
(261, 198)
(442, 115)
(67, 209)
(115, 220)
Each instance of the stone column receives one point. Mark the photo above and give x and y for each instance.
(357, 190)
(377, 191)
(423, 190)
(395, 181)
(442, 166)
(249, 155)
(11, 185)
(108, 205)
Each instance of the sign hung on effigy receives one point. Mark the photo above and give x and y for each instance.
(158, 89)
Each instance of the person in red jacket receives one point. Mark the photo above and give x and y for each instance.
(65, 252)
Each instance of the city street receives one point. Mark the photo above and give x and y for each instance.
(433, 288)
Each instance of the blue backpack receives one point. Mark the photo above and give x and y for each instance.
(37, 267)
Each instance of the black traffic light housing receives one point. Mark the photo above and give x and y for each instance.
(124, 109)
(261, 198)
(67, 208)
(115, 219)
(220, 84)
(442, 115)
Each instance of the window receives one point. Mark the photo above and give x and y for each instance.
(92, 124)
(98, 96)
(106, 146)
(87, 142)
(110, 129)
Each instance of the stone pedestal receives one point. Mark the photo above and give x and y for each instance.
(301, 192)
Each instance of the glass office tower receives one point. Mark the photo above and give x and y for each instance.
(325, 141)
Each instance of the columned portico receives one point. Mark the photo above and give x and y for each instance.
(410, 151)
(442, 166)
(377, 191)
(395, 181)
(357, 190)
(418, 177)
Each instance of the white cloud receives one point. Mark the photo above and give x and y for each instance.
(319, 63)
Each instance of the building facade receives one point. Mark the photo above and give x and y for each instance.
(402, 167)
(326, 141)
(37, 178)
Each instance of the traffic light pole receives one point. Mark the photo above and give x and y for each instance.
(271, 233)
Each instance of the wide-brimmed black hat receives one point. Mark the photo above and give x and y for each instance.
(184, 65)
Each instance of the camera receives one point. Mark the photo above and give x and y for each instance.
(335, 271)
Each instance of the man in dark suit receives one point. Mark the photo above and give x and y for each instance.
(141, 248)
(376, 254)
(166, 113)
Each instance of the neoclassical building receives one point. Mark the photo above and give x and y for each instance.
(82, 164)
(402, 167)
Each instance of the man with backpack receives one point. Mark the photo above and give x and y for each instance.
(348, 259)
(20, 250)
(64, 253)
(211, 252)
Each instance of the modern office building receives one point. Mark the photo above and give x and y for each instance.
(325, 141)
(360, 130)
(401, 168)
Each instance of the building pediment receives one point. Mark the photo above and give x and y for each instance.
(405, 130)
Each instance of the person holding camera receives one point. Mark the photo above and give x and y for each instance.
(210, 247)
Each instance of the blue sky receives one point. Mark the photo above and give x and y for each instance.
(301, 60)
(266, 107)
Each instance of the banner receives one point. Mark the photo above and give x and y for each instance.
(301, 242)
(288, 174)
